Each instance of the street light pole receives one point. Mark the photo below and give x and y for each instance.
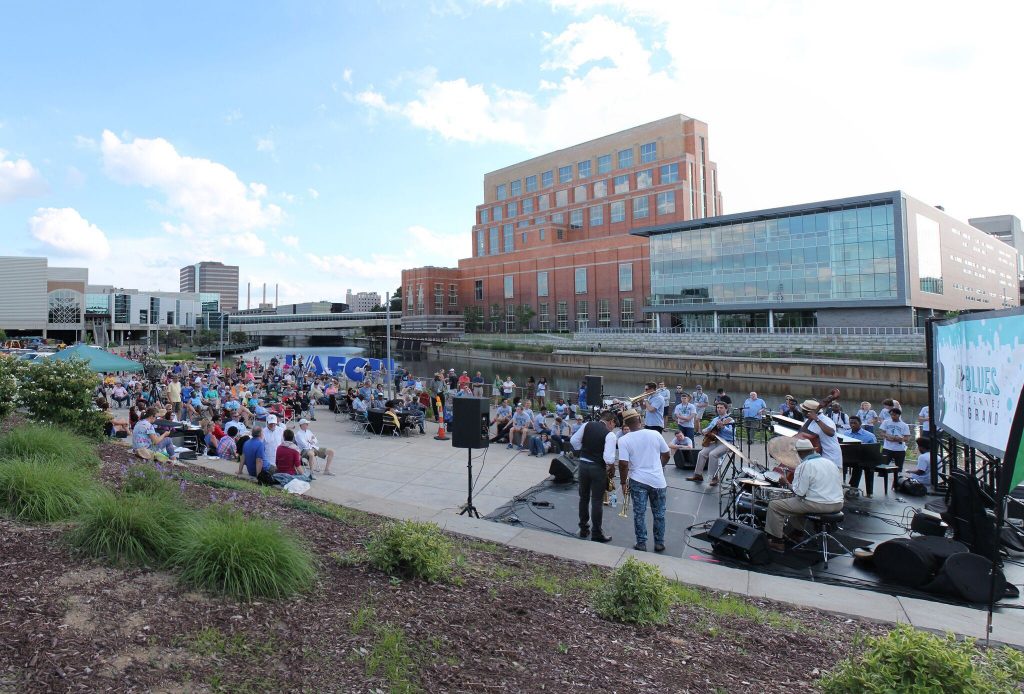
(222, 340)
(387, 332)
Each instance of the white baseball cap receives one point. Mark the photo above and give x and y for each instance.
(271, 419)
(303, 421)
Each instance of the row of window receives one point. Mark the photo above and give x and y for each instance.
(579, 282)
(581, 318)
(641, 180)
(623, 158)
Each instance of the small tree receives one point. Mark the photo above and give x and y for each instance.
(10, 370)
(3, 335)
(205, 338)
(474, 316)
(524, 314)
(495, 317)
(60, 393)
(396, 301)
(238, 337)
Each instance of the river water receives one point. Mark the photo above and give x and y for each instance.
(565, 381)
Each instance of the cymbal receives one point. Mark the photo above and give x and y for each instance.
(783, 450)
(754, 483)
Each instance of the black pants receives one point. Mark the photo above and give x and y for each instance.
(896, 457)
(654, 428)
(869, 478)
(593, 483)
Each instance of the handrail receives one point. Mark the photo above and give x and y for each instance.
(688, 330)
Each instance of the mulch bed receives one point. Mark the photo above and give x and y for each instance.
(512, 621)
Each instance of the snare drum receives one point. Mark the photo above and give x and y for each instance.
(767, 494)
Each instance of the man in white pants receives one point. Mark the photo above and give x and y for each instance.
(310, 448)
(724, 429)
(818, 486)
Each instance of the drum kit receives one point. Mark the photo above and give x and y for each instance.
(745, 499)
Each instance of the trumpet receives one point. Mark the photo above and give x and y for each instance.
(624, 511)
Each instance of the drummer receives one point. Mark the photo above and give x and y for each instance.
(818, 488)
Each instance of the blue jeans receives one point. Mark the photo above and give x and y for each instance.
(536, 446)
(284, 478)
(639, 494)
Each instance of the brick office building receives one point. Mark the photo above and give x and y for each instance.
(553, 233)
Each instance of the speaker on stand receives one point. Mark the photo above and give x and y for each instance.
(471, 419)
(595, 390)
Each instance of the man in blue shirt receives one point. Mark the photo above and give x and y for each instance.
(700, 402)
(520, 422)
(752, 409)
(685, 415)
(654, 417)
(723, 427)
(254, 457)
(858, 432)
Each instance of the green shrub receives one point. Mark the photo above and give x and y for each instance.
(243, 558)
(908, 660)
(410, 549)
(10, 370)
(60, 393)
(130, 528)
(36, 440)
(39, 490)
(143, 478)
(637, 593)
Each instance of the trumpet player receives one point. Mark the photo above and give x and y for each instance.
(643, 454)
(595, 442)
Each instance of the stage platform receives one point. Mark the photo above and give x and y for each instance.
(691, 509)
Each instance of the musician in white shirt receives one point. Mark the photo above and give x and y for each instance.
(642, 457)
(818, 486)
(825, 429)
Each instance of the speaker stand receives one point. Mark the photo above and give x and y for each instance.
(469, 509)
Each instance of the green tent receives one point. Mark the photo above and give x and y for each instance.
(99, 360)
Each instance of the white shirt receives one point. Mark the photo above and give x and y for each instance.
(924, 415)
(924, 464)
(817, 479)
(271, 440)
(642, 449)
(305, 439)
(609, 444)
(829, 444)
(894, 428)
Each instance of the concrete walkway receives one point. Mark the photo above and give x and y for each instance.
(423, 479)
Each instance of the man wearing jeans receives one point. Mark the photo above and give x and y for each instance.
(643, 454)
(596, 445)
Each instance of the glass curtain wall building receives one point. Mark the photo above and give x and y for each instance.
(880, 260)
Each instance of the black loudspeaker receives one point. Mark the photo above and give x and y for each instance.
(471, 421)
(595, 390)
(967, 576)
(686, 458)
(563, 469)
(739, 541)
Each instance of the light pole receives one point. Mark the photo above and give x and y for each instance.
(387, 333)
(222, 317)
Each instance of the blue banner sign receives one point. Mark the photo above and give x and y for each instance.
(352, 368)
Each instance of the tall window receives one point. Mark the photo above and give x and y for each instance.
(648, 152)
(604, 163)
(531, 184)
(540, 234)
(502, 191)
(493, 233)
(562, 197)
(478, 290)
(515, 188)
(670, 173)
(542, 283)
(453, 295)
(625, 277)
(154, 310)
(419, 298)
(507, 237)
(625, 158)
(563, 315)
(65, 306)
(667, 202)
(510, 317)
(509, 286)
(543, 202)
(579, 194)
(512, 209)
(438, 298)
(527, 205)
(564, 174)
(485, 215)
(542, 316)
(618, 211)
(122, 304)
(576, 219)
(641, 209)
(497, 213)
(581, 280)
(596, 215)
(626, 319)
(583, 169)
(582, 315)
(481, 242)
(547, 179)
(604, 314)
(622, 184)
(600, 189)
(644, 179)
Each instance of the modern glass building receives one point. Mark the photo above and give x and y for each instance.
(875, 260)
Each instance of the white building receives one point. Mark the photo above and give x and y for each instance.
(361, 301)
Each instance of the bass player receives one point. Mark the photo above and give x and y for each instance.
(824, 429)
(721, 427)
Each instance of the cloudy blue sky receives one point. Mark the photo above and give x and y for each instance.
(327, 145)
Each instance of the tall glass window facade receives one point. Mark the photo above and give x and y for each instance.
(493, 233)
(97, 305)
(502, 191)
(480, 243)
(485, 215)
(508, 238)
(581, 280)
(65, 306)
(845, 254)
(122, 308)
(542, 283)
(154, 310)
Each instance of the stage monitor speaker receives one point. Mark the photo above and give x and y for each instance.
(686, 458)
(471, 421)
(564, 469)
(905, 562)
(739, 541)
(968, 576)
(595, 390)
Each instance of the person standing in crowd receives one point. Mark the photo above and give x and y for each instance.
(667, 397)
(818, 486)
(679, 395)
(685, 415)
(643, 454)
(174, 395)
(700, 404)
(825, 429)
(867, 416)
(858, 432)
(791, 409)
(595, 442)
(895, 436)
(654, 417)
(839, 418)
(723, 397)
(753, 408)
(542, 391)
(923, 421)
(478, 385)
(508, 388)
(723, 428)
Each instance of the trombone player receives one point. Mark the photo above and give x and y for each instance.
(643, 455)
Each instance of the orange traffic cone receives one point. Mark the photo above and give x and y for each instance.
(442, 435)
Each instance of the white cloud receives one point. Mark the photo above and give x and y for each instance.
(19, 179)
(374, 100)
(288, 197)
(64, 231)
(290, 240)
(233, 117)
(206, 195)
(346, 75)
(83, 142)
(313, 193)
(264, 144)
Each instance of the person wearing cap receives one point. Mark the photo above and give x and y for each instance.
(818, 488)
(895, 436)
(464, 380)
(825, 429)
(791, 409)
(310, 448)
(273, 435)
(595, 443)
(654, 406)
(643, 454)
(700, 403)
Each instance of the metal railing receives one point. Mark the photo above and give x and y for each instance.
(694, 330)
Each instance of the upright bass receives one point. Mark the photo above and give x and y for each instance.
(811, 416)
